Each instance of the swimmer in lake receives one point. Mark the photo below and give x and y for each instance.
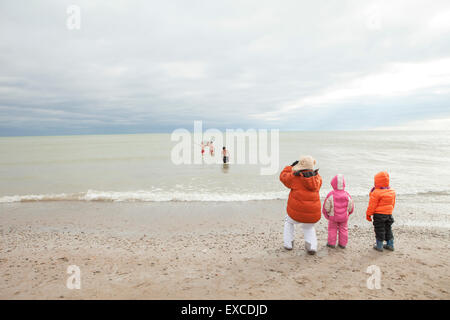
(225, 155)
(211, 149)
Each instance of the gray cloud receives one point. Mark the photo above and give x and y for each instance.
(145, 66)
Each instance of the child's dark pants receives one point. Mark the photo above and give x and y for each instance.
(382, 224)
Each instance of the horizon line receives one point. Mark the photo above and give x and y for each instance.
(168, 132)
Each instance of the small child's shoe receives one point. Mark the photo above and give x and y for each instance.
(378, 246)
(341, 246)
(330, 246)
(389, 245)
(289, 248)
(308, 248)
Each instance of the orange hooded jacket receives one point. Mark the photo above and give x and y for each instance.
(382, 198)
(304, 200)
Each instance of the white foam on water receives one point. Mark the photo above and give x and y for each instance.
(158, 195)
(145, 196)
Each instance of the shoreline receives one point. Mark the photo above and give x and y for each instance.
(201, 250)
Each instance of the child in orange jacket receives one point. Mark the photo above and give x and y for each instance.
(381, 205)
(303, 206)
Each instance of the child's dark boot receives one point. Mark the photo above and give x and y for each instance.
(378, 246)
(389, 245)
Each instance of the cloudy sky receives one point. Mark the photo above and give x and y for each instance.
(153, 66)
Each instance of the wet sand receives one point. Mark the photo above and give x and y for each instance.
(211, 250)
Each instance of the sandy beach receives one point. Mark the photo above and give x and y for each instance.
(208, 250)
(148, 150)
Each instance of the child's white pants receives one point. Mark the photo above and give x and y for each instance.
(308, 231)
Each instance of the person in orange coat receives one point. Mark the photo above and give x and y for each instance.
(381, 206)
(304, 204)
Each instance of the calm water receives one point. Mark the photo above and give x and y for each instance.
(139, 168)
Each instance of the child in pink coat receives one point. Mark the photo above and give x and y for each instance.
(337, 207)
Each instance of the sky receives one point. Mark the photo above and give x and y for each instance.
(155, 66)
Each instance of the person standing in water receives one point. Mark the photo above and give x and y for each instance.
(225, 155)
(211, 148)
(203, 148)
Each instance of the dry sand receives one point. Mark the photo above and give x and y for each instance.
(194, 250)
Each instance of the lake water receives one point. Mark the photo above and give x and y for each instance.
(138, 167)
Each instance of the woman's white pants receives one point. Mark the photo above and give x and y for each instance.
(308, 231)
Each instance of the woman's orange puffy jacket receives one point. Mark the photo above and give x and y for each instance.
(304, 199)
(382, 198)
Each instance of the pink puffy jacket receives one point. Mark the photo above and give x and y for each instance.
(338, 204)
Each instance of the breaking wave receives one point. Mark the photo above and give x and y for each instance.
(161, 196)
(144, 196)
